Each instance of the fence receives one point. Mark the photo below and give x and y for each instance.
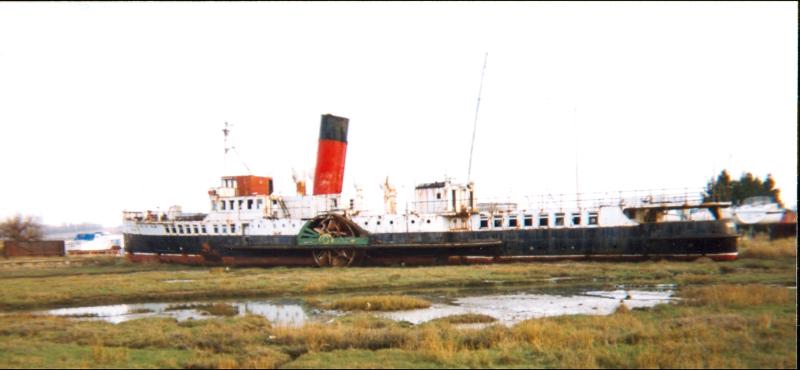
(33, 249)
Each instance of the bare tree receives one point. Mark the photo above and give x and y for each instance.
(21, 229)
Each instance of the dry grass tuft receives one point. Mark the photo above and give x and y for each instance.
(378, 303)
(467, 318)
(763, 248)
(730, 295)
(109, 355)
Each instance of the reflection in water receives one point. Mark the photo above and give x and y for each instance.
(278, 314)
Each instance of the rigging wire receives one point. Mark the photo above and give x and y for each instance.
(475, 125)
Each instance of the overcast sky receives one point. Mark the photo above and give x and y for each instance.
(113, 106)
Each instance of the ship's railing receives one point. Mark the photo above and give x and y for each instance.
(133, 216)
(626, 199)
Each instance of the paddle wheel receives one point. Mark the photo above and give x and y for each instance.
(337, 241)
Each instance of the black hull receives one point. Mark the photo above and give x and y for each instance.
(683, 240)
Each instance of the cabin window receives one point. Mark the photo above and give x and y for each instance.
(233, 228)
(249, 204)
(391, 222)
(259, 203)
(498, 222)
(438, 195)
(231, 204)
(528, 220)
(196, 230)
(213, 206)
(174, 231)
(334, 203)
(559, 219)
(241, 203)
(576, 218)
(412, 221)
(222, 205)
(352, 204)
(592, 218)
(543, 221)
(166, 229)
(224, 229)
(427, 221)
(203, 229)
(378, 222)
(216, 229)
(366, 223)
(484, 222)
(512, 221)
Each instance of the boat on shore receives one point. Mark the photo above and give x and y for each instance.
(95, 243)
(249, 224)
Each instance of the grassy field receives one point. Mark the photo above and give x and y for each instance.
(731, 314)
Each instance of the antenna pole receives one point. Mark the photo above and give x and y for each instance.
(226, 132)
(577, 188)
(475, 125)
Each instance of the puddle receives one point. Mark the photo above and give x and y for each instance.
(278, 314)
(510, 309)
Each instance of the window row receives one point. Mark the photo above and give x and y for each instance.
(543, 220)
(240, 204)
(200, 229)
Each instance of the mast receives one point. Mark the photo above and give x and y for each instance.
(226, 131)
(475, 124)
(577, 187)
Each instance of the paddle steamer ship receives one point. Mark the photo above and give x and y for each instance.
(249, 224)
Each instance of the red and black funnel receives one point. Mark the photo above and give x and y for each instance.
(331, 153)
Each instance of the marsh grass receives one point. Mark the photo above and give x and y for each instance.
(762, 248)
(467, 318)
(377, 303)
(689, 334)
(85, 283)
(140, 310)
(82, 315)
(736, 295)
(731, 315)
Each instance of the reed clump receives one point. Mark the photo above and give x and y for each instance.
(378, 303)
(467, 318)
(761, 247)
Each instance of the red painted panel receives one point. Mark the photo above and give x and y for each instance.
(253, 185)
(329, 173)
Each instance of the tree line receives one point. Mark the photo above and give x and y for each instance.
(723, 189)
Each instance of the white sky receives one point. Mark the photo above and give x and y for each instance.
(113, 106)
